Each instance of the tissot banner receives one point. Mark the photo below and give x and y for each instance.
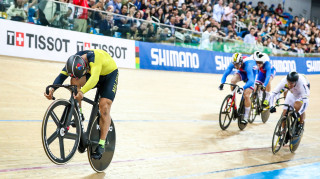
(47, 43)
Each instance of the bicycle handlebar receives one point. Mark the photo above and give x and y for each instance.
(72, 88)
(232, 84)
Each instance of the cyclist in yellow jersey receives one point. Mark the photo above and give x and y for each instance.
(88, 69)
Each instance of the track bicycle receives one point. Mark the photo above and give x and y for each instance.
(229, 109)
(257, 107)
(61, 140)
(287, 130)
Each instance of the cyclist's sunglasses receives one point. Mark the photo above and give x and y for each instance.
(259, 63)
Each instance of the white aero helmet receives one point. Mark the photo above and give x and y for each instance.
(260, 57)
(237, 58)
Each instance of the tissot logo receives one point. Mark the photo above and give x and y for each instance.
(15, 38)
(118, 52)
(36, 41)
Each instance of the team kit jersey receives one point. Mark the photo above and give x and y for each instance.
(265, 72)
(103, 71)
(247, 72)
(300, 92)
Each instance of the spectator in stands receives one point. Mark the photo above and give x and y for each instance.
(292, 48)
(82, 15)
(259, 41)
(165, 36)
(171, 23)
(16, 11)
(299, 49)
(279, 10)
(117, 6)
(208, 43)
(271, 9)
(249, 38)
(183, 9)
(218, 11)
(160, 15)
(208, 11)
(107, 26)
(228, 15)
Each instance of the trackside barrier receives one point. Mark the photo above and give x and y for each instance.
(46, 43)
(171, 58)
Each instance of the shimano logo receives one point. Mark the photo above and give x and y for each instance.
(284, 65)
(173, 58)
(313, 66)
(222, 62)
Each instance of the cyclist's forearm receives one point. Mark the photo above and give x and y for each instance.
(60, 79)
(91, 83)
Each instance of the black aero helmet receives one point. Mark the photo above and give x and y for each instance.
(293, 76)
(76, 66)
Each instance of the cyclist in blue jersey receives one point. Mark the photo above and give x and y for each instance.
(247, 72)
(266, 74)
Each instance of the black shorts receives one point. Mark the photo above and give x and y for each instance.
(107, 85)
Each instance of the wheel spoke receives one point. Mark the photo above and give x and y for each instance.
(55, 118)
(61, 147)
(71, 136)
(52, 137)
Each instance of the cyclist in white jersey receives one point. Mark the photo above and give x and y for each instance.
(298, 92)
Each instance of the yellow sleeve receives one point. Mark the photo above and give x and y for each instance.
(94, 79)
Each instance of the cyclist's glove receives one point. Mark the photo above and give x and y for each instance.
(221, 87)
(273, 109)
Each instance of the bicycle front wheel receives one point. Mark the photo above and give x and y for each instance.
(60, 141)
(279, 135)
(94, 137)
(226, 113)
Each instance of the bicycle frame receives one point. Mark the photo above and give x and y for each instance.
(75, 106)
(290, 123)
(233, 99)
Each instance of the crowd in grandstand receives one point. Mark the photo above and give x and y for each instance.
(230, 19)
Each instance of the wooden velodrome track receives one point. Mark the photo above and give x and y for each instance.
(166, 125)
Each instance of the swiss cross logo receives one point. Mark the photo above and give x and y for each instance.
(15, 38)
(86, 46)
(19, 39)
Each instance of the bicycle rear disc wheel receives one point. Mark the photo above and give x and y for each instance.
(279, 135)
(94, 137)
(265, 114)
(241, 116)
(295, 142)
(226, 113)
(254, 109)
(59, 142)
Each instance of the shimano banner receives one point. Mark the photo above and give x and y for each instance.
(165, 57)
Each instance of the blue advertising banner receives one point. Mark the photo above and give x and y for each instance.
(171, 58)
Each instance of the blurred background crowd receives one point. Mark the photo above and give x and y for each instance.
(201, 22)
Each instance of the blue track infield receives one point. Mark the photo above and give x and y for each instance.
(311, 170)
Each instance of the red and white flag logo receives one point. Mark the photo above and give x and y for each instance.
(19, 39)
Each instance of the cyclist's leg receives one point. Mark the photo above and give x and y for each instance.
(290, 99)
(108, 89)
(108, 93)
(246, 96)
(268, 87)
(260, 79)
(236, 78)
(301, 106)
